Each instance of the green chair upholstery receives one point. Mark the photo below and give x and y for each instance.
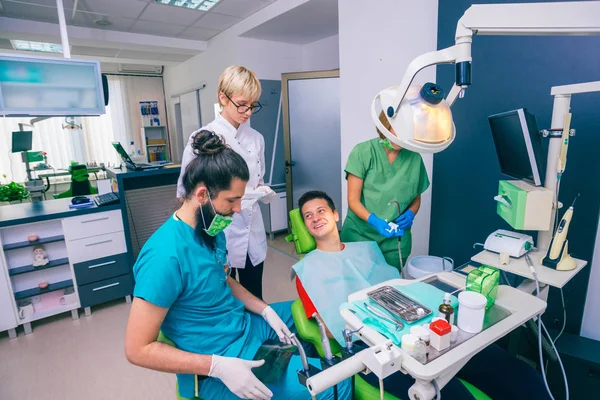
(163, 339)
(80, 183)
(309, 330)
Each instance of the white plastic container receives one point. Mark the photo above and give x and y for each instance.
(471, 311)
(420, 266)
(408, 343)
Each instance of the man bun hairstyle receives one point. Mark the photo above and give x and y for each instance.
(215, 165)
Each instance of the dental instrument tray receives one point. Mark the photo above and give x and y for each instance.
(399, 304)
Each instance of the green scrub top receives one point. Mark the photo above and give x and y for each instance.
(403, 180)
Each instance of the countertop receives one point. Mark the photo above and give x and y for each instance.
(128, 173)
(25, 213)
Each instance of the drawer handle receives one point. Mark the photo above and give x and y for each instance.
(105, 286)
(94, 220)
(102, 264)
(102, 242)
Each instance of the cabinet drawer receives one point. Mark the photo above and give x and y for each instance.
(106, 290)
(101, 268)
(96, 247)
(92, 224)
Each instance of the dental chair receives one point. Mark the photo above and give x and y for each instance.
(163, 339)
(308, 329)
(80, 183)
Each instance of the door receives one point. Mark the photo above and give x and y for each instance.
(311, 112)
(190, 114)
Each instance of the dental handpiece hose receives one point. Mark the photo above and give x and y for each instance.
(540, 325)
(324, 339)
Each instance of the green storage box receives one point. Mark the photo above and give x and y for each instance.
(484, 280)
(524, 206)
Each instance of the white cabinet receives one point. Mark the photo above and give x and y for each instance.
(8, 319)
(275, 215)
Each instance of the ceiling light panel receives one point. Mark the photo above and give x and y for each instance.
(37, 46)
(202, 5)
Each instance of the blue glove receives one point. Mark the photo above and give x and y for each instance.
(406, 219)
(380, 225)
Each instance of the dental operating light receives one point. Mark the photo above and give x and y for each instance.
(420, 118)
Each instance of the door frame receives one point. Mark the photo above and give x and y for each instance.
(285, 78)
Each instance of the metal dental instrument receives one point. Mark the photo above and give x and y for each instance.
(297, 343)
(392, 320)
(399, 237)
(398, 304)
(324, 339)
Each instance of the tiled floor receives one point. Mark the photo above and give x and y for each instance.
(84, 359)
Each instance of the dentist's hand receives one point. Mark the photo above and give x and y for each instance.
(381, 226)
(277, 324)
(237, 375)
(406, 219)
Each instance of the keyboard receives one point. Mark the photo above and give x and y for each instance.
(106, 199)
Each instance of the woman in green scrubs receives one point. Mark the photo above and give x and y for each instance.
(379, 173)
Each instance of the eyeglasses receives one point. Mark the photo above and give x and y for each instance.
(243, 109)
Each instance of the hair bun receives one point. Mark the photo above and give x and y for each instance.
(207, 142)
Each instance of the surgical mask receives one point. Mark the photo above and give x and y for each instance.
(387, 144)
(218, 223)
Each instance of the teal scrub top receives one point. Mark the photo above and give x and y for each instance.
(383, 182)
(178, 271)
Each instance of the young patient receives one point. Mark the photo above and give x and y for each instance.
(327, 275)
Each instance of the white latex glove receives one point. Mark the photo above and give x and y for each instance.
(277, 324)
(269, 194)
(237, 375)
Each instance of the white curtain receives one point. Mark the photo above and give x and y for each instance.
(121, 123)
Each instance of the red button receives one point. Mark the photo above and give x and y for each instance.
(440, 327)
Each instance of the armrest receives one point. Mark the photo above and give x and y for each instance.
(309, 330)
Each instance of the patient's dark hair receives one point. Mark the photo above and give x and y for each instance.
(315, 194)
(215, 165)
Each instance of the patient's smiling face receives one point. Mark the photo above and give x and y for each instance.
(319, 218)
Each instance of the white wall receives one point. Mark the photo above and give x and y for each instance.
(376, 45)
(321, 55)
(590, 326)
(268, 59)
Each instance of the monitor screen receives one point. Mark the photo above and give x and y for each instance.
(119, 148)
(519, 145)
(21, 141)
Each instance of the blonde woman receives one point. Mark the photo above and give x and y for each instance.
(238, 93)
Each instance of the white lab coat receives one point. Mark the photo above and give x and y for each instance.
(246, 234)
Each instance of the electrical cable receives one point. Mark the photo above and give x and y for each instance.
(562, 297)
(381, 391)
(559, 361)
(540, 326)
(438, 392)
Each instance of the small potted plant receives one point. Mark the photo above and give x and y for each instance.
(13, 193)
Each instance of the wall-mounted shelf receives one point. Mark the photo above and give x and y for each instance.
(20, 245)
(31, 268)
(37, 291)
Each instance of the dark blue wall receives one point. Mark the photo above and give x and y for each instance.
(510, 73)
(265, 122)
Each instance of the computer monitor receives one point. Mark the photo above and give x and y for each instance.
(119, 148)
(21, 141)
(519, 145)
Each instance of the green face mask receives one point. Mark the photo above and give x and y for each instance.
(387, 144)
(219, 222)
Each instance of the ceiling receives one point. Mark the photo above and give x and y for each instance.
(307, 23)
(135, 16)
